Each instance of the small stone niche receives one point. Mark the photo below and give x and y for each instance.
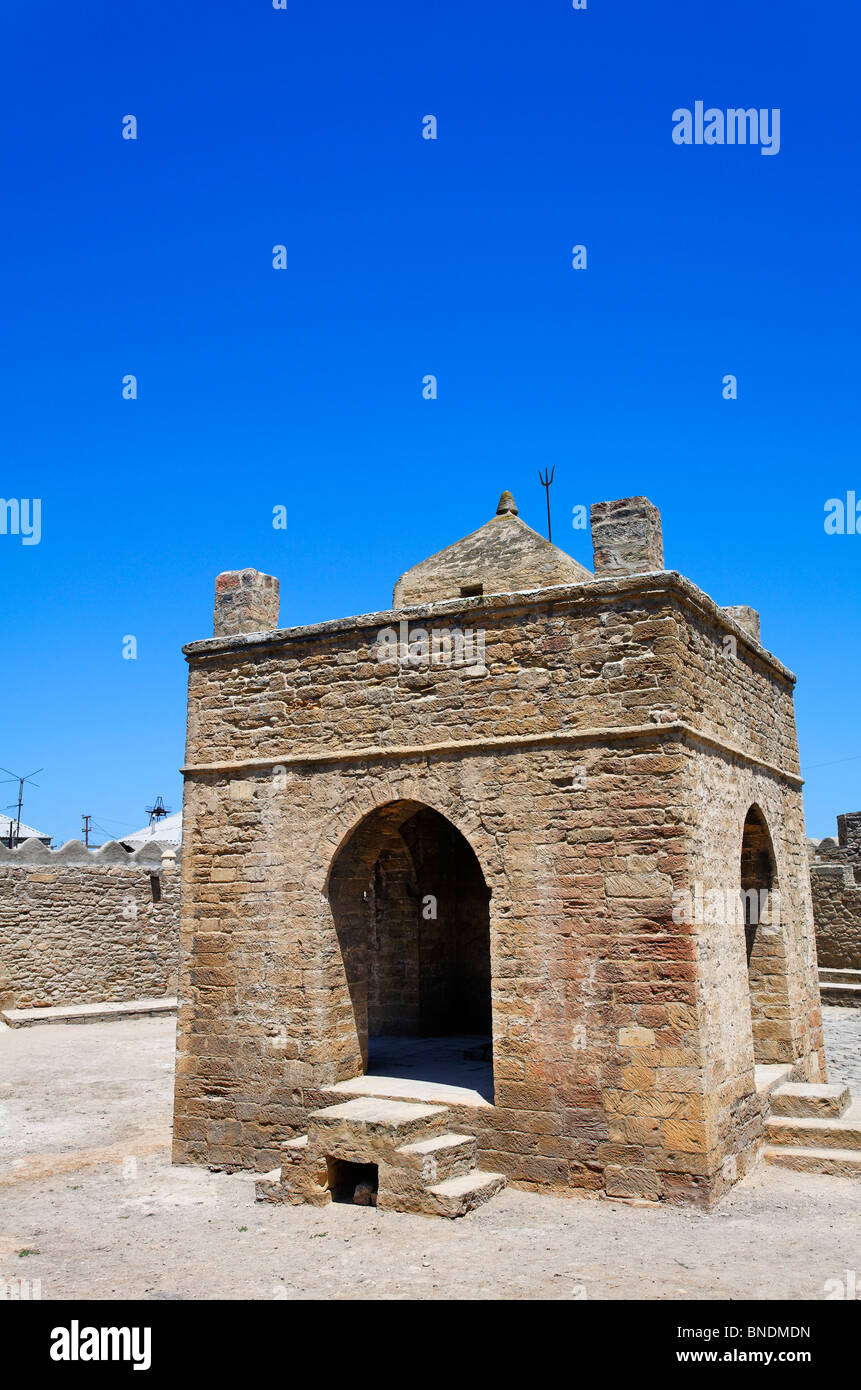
(355, 1184)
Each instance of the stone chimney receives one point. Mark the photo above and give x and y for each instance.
(748, 618)
(626, 537)
(245, 601)
(849, 831)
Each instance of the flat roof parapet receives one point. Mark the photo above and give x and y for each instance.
(591, 593)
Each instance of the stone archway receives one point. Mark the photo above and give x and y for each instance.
(764, 943)
(411, 911)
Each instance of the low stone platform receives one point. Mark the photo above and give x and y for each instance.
(393, 1154)
(88, 1013)
(840, 987)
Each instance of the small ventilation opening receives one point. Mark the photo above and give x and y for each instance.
(354, 1183)
(155, 887)
(471, 590)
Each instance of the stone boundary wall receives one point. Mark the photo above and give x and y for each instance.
(837, 910)
(835, 880)
(81, 926)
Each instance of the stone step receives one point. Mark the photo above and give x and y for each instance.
(457, 1196)
(355, 1129)
(804, 1099)
(768, 1078)
(785, 1132)
(829, 976)
(838, 1163)
(402, 1154)
(443, 1156)
(848, 995)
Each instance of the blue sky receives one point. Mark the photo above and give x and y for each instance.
(302, 387)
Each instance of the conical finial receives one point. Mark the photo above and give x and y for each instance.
(507, 505)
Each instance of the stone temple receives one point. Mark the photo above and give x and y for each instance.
(506, 883)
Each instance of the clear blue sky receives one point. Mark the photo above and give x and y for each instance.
(405, 257)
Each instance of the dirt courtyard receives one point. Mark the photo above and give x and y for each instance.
(90, 1207)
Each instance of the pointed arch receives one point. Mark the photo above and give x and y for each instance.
(410, 906)
(765, 947)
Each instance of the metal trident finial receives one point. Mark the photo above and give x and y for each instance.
(545, 483)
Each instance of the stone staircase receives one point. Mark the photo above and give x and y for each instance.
(840, 987)
(811, 1128)
(396, 1155)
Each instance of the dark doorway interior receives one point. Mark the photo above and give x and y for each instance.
(412, 912)
(766, 955)
(353, 1183)
(757, 877)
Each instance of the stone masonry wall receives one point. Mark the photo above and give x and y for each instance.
(738, 697)
(580, 952)
(628, 651)
(835, 878)
(837, 910)
(82, 927)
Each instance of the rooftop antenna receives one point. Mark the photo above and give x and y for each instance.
(156, 811)
(13, 777)
(545, 483)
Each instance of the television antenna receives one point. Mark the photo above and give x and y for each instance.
(13, 777)
(157, 810)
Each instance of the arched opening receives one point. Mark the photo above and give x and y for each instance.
(764, 946)
(412, 915)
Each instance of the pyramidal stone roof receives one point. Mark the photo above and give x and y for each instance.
(503, 556)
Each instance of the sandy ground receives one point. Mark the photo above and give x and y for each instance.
(87, 1189)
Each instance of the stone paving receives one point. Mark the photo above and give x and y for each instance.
(86, 1188)
(842, 1029)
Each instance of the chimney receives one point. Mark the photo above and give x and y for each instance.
(748, 618)
(849, 831)
(626, 537)
(245, 601)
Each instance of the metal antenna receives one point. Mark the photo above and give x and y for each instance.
(545, 483)
(13, 777)
(156, 812)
